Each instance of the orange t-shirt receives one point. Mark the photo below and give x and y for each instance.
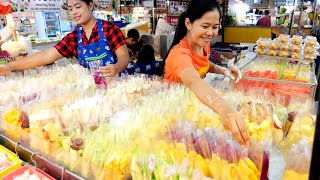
(182, 57)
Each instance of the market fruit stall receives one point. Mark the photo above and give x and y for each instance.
(142, 128)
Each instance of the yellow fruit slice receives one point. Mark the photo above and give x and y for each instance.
(252, 166)
(307, 120)
(232, 175)
(244, 172)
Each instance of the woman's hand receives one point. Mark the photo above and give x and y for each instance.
(230, 117)
(5, 69)
(109, 71)
(233, 73)
(234, 122)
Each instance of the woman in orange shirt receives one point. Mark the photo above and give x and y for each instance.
(188, 62)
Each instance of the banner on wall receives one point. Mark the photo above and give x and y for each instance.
(102, 4)
(97, 4)
(44, 5)
(8, 6)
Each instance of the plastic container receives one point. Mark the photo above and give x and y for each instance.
(13, 158)
(31, 169)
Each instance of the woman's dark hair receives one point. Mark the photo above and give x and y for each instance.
(86, 1)
(196, 9)
(146, 55)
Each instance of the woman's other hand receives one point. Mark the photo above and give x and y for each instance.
(233, 73)
(109, 71)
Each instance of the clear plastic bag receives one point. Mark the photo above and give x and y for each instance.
(296, 40)
(272, 52)
(309, 56)
(296, 55)
(262, 43)
(284, 47)
(310, 41)
(273, 45)
(296, 48)
(260, 51)
(308, 49)
(284, 54)
(283, 38)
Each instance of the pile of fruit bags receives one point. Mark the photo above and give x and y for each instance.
(289, 78)
(141, 127)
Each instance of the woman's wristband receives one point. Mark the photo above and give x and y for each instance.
(213, 101)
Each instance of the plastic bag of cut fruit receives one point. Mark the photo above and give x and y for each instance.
(257, 111)
(229, 160)
(185, 132)
(209, 150)
(298, 160)
(224, 145)
(297, 146)
(100, 81)
(300, 126)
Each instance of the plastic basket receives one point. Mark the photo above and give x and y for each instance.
(13, 158)
(32, 170)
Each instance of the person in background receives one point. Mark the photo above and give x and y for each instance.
(5, 34)
(300, 31)
(188, 62)
(132, 40)
(277, 30)
(146, 63)
(303, 18)
(218, 58)
(315, 31)
(310, 16)
(286, 21)
(146, 55)
(280, 20)
(265, 20)
(98, 45)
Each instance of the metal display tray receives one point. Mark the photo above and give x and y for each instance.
(37, 160)
(58, 162)
(313, 80)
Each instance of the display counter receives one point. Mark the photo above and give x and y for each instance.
(281, 76)
(250, 34)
